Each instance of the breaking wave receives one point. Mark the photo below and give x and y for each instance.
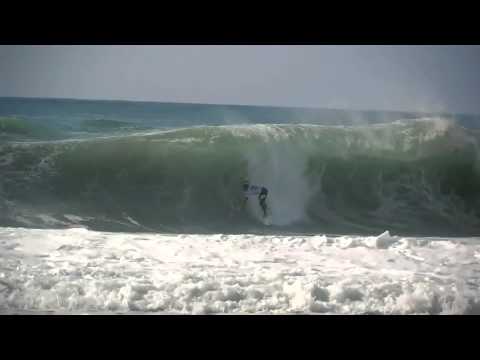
(409, 176)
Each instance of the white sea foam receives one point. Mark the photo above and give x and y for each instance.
(83, 271)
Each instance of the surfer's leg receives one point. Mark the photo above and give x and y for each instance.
(264, 207)
(262, 197)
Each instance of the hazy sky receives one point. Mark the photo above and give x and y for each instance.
(424, 78)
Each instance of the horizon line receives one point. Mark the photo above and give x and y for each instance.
(240, 105)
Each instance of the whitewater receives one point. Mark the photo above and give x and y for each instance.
(79, 271)
(133, 208)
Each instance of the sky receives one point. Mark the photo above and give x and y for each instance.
(409, 78)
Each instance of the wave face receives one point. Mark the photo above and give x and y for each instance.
(411, 177)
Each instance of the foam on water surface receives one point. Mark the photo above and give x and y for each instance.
(81, 271)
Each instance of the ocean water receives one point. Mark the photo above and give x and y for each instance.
(131, 207)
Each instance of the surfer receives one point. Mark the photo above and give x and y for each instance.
(261, 191)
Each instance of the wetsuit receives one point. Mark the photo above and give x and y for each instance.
(262, 193)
